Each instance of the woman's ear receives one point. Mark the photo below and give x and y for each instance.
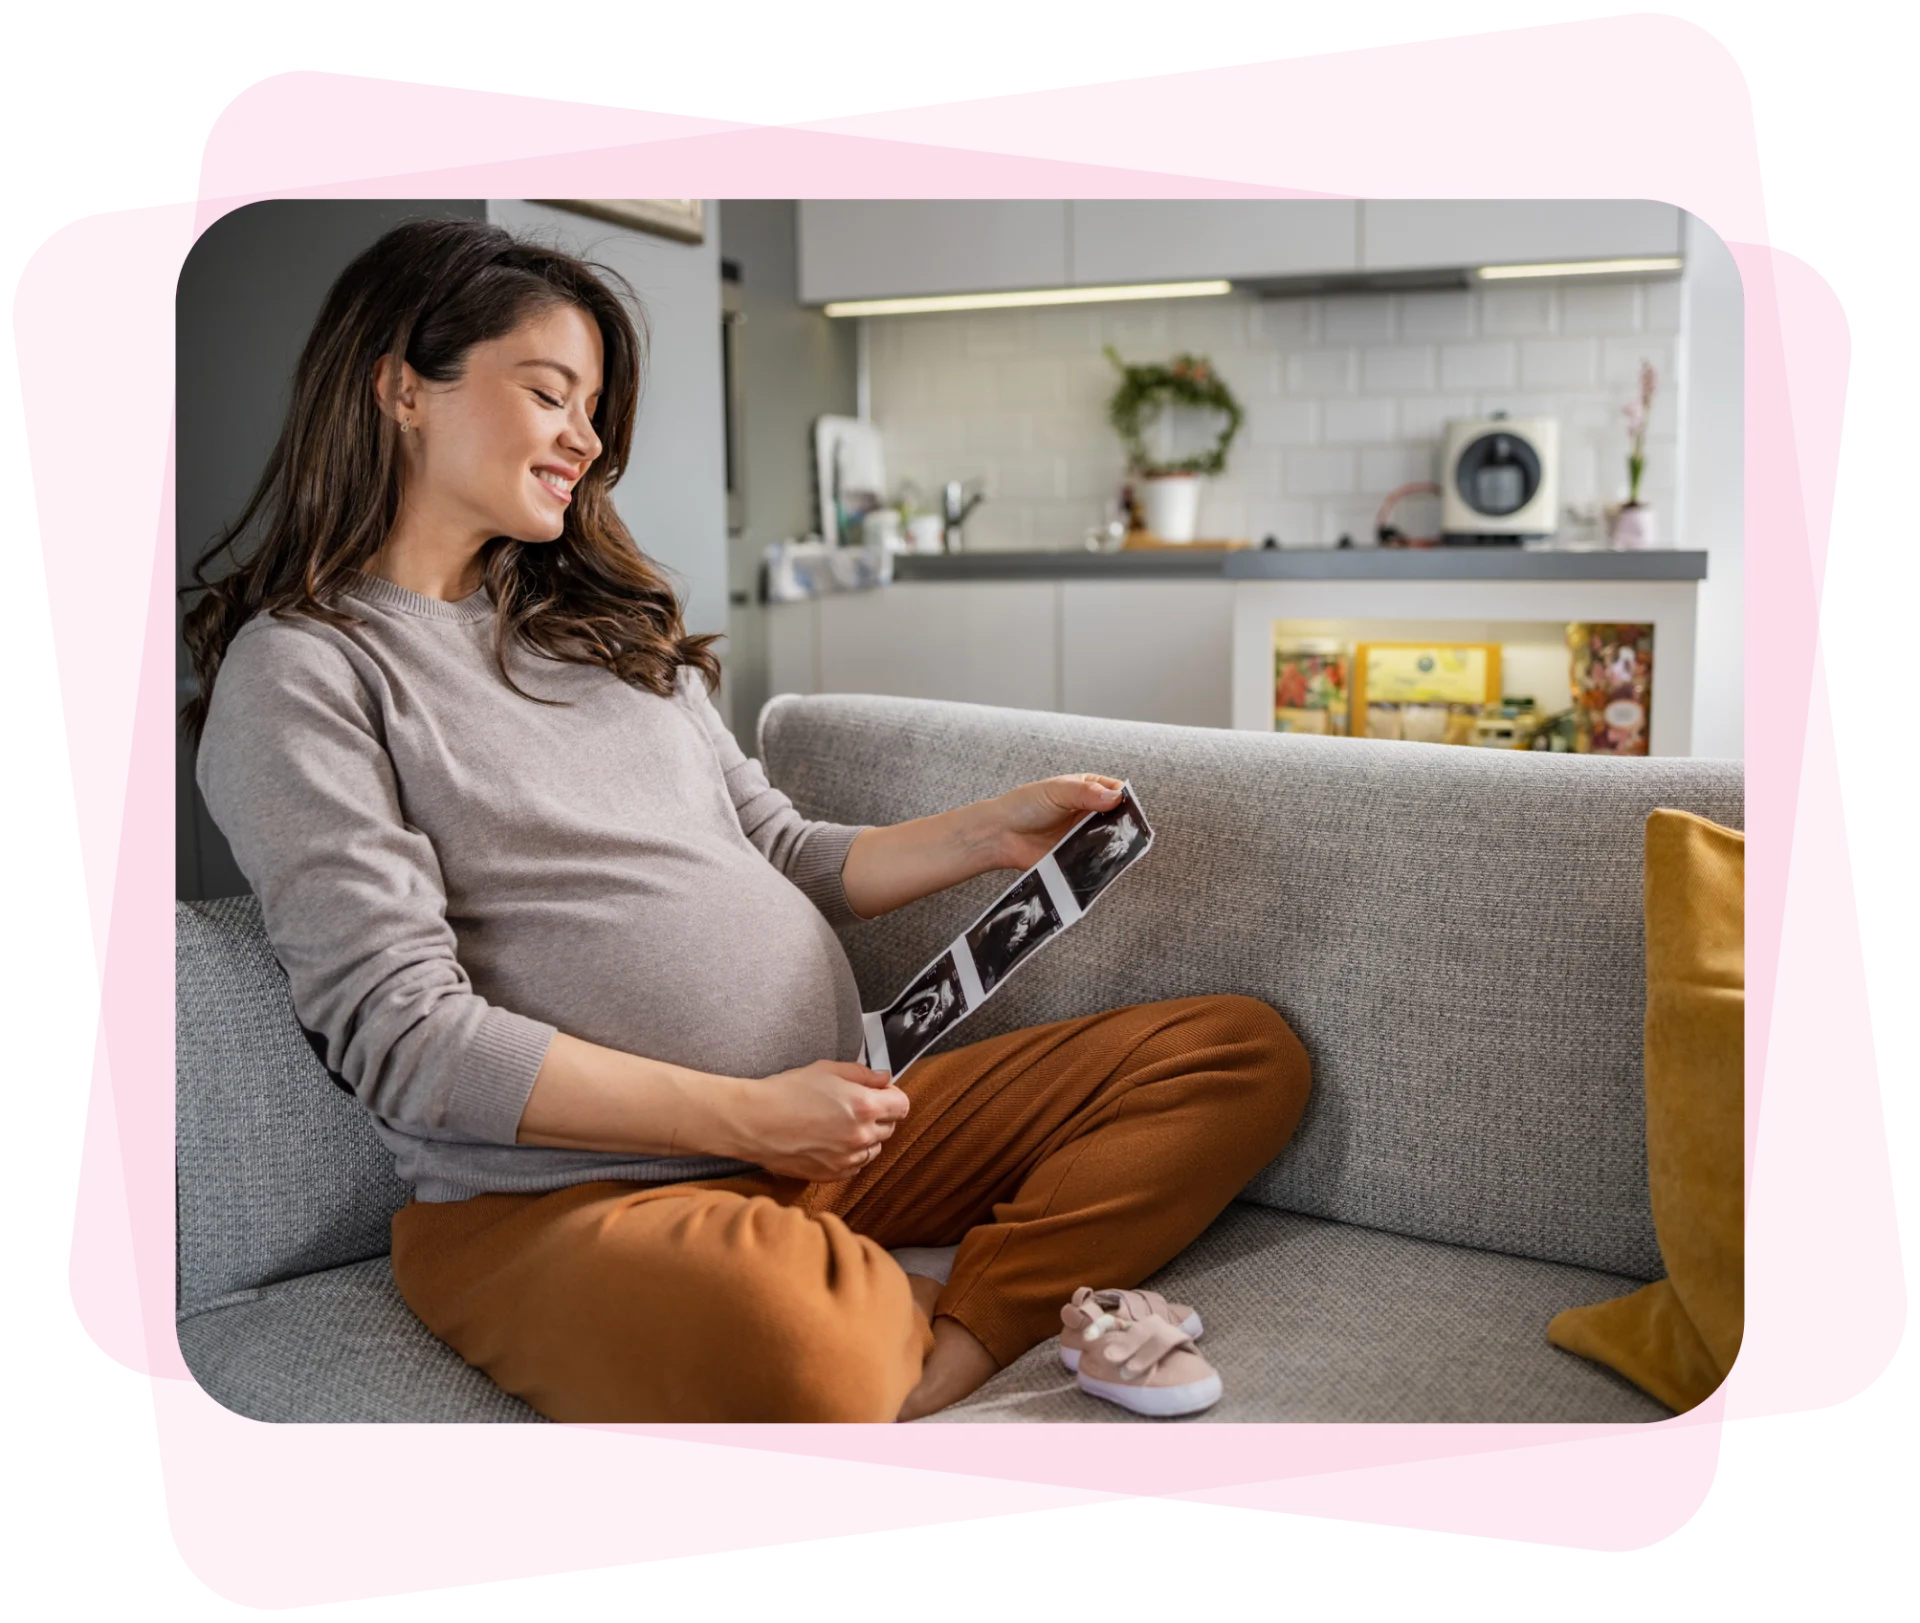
(396, 386)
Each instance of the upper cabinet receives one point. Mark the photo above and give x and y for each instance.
(876, 249)
(1118, 241)
(1429, 235)
(872, 249)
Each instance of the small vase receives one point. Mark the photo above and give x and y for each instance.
(1172, 505)
(1633, 528)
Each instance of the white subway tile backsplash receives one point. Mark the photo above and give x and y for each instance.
(1138, 331)
(1257, 470)
(1074, 432)
(1393, 370)
(1089, 381)
(1097, 477)
(1214, 327)
(1605, 307)
(1436, 315)
(1321, 371)
(996, 526)
(901, 386)
(1319, 473)
(1664, 419)
(989, 433)
(1620, 360)
(999, 334)
(1339, 410)
(1281, 422)
(1281, 323)
(1358, 422)
(1385, 470)
(923, 341)
(1579, 473)
(1291, 524)
(1061, 525)
(1222, 517)
(1021, 476)
(1660, 307)
(1476, 366)
(1559, 363)
(1357, 318)
(965, 385)
(1507, 312)
(1284, 421)
(1356, 520)
(1064, 330)
(1030, 383)
(1427, 418)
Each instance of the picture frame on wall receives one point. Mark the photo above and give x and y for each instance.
(682, 219)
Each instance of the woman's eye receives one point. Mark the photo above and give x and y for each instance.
(547, 398)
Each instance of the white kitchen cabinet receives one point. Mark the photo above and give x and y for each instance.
(1425, 234)
(853, 248)
(1147, 650)
(977, 642)
(1117, 240)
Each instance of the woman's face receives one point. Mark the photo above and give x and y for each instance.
(497, 451)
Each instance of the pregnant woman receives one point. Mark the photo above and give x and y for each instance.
(578, 958)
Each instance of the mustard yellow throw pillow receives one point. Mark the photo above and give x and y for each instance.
(1677, 1338)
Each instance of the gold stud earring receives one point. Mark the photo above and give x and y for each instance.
(405, 426)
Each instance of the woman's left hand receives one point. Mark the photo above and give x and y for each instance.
(1033, 817)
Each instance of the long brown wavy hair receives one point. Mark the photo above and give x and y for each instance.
(430, 290)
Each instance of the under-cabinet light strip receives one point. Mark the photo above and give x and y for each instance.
(1579, 267)
(1040, 295)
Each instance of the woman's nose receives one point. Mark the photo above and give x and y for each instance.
(581, 438)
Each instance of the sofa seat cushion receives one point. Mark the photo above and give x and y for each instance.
(337, 1345)
(1305, 1320)
(1308, 1320)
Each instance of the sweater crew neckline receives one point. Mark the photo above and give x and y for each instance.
(474, 607)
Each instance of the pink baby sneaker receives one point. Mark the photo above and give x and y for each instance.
(1150, 1367)
(1111, 1308)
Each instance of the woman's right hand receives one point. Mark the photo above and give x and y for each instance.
(822, 1122)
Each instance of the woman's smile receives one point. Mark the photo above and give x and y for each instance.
(557, 483)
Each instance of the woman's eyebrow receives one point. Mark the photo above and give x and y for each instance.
(565, 371)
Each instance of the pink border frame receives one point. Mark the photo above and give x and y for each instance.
(1825, 1294)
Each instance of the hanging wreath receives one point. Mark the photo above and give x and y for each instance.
(1188, 380)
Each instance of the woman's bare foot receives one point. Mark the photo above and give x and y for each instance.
(925, 1293)
(958, 1364)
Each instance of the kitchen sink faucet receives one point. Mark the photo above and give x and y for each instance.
(957, 502)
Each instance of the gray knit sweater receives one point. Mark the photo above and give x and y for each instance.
(450, 873)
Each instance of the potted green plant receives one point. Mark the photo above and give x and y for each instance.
(1147, 401)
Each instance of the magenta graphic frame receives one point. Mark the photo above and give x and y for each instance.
(1826, 1303)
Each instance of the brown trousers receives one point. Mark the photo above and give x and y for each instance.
(1084, 1152)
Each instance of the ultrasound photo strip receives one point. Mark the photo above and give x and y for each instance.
(1036, 909)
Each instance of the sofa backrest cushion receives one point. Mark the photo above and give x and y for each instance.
(1455, 934)
(278, 1172)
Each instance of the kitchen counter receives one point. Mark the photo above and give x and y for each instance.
(1306, 563)
(1187, 637)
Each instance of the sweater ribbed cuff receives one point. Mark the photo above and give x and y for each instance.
(816, 869)
(496, 1076)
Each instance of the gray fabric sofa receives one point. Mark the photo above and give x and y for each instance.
(1455, 935)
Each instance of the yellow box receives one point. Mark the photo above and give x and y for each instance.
(1423, 673)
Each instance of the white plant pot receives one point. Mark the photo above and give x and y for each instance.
(1634, 529)
(1172, 505)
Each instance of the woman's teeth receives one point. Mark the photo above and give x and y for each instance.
(553, 481)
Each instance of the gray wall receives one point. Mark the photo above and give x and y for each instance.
(673, 496)
(247, 296)
(794, 365)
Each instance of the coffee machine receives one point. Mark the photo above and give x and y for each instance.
(1499, 480)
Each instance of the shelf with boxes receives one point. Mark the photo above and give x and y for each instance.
(1580, 687)
(1522, 628)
